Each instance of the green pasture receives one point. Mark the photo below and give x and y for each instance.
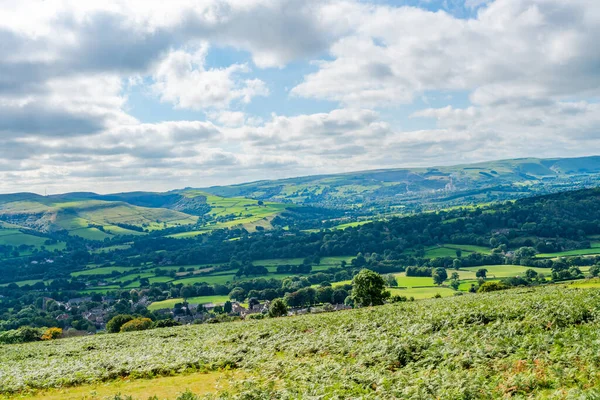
(506, 271)
(449, 250)
(101, 271)
(422, 292)
(28, 282)
(170, 303)
(14, 237)
(595, 249)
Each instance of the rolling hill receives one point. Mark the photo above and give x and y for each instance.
(255, 205)
(96, 217)
(443, 186)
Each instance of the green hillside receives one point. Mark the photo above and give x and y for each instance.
(444, 185)
(90, 219)
(522, 343)
(97, 217)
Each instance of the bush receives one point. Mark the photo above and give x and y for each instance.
(52, 333)
(22, 335)
(115, 324)
(491, 287)
(137, 324)
(165, 323)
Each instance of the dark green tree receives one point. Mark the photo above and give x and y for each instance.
(439, 275)
(115, 324)
(277, 308)
(368, 289)
(481, 273)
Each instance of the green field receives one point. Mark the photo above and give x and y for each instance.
(522, 343)
(449, 250)
(584, 284)
(28, 282)
(192, 300)
(101, 271)
(419, 293)
(14, 237)
(505, 271)
(595, 249)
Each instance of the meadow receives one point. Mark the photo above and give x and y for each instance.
(523, 343)
(593, 250)
(170, 303)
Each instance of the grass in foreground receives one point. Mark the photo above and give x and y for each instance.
(162, 387)
(526, 343)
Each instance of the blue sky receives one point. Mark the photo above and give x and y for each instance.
(152, 95)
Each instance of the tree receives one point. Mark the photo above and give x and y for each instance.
(595, 270)
(187, 291)
(391, 280)
(227, 307)
(325, 295)
(368, 289)
(454, 276)
(458, 253)
(238, 294)
(456, 264)
(115, 324)
(439, 275)
(531, 274)
(277, 308)
(454, 284)
(339, 295)
(481, 273)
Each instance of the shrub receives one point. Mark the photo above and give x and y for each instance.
(137, 324)
(52, 333)
(166, 323)
(491, 287)
(22, 335)
(115, 324)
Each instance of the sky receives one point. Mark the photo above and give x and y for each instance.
(111, 96)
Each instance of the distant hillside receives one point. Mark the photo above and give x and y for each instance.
(446, 186)
(97, 217)
(328, 200)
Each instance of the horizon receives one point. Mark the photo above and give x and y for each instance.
(46, 194)
(112, 96)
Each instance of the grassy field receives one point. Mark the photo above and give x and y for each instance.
(449, 250)
(192, 300)
(505, 271)
(522, 343)
(167, 387)
(28, 282)
(419, 293)
(101, 271)
(14, 237)
(595, 249)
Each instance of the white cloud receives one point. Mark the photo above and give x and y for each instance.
(66, 68)
(181, 79)
(521, 46)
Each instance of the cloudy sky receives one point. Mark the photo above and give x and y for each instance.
(127, 95)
